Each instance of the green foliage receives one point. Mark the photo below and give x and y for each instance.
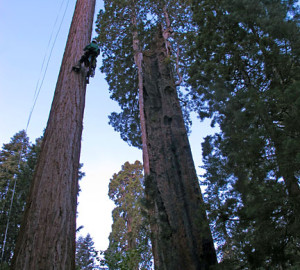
(17, 161)
(245, 75)
(252, 219)
(115, 30)
(115, 40)
(129, 244)
(86, 255)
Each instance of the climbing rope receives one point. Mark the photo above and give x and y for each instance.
(36, 94)
(39, 87)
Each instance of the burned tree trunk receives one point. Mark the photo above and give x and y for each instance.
(47, 235)
(181, 235)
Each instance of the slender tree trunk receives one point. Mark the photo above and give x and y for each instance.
(180, 232)
(47, 235)
(138, 59)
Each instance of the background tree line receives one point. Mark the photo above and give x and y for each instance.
(129, 246)
(17, 162)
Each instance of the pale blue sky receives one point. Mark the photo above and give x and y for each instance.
(25, 30)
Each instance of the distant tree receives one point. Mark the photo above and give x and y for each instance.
(17, 163)
(86, 254)
(245, 75)
(129, 241)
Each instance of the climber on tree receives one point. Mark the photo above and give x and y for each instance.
(89, 58)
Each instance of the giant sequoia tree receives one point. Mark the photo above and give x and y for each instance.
(136, 39)
(245, 75)
(47, 235)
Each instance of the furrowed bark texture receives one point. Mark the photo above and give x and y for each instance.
(47, 235)
(180, 232)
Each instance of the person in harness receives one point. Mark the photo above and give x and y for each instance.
(89, 58)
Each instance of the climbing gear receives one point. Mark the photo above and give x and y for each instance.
(89, 59)
(91, 68)
(76, 68)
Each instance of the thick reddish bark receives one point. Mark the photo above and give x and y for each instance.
(180, 232)
(47, 235)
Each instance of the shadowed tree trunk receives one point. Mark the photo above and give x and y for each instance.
(181, 235)
(47, 235)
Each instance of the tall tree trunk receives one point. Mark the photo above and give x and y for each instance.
(47, 235)
(180, 232)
